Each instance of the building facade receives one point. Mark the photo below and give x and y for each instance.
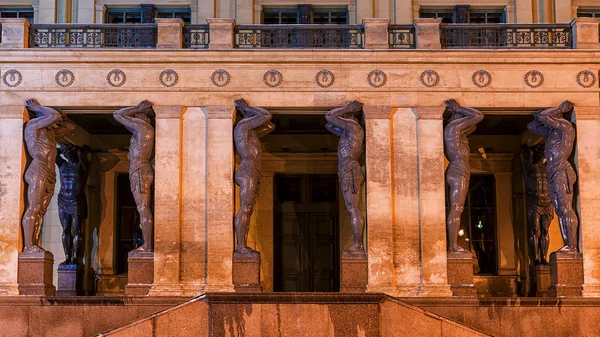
(400, 59)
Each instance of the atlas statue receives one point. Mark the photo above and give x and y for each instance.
(463, 122)
(73, 166)
(41, 132)
(560, 175)
(540, 211)
(255, 124)
(343, 122)
(141, 174)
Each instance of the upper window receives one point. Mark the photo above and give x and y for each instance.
(134, 15)
(26, 13)
(475, 15)
(305, 14)
(588, 13)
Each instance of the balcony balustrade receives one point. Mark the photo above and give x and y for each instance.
(501, 36)
(92, 36)
(402, 36)
(196, 36)
(299, 36)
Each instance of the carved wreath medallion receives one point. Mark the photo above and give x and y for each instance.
(168, 78)
(220, 78)
(272, 78)
(324, 78)
(64, 78)
(586, 79)
(116, 78)
(481, 78)
(12, 78)
(429, 78)
(377, 78)
(534, 79)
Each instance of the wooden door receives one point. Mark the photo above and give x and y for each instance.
(306, 233)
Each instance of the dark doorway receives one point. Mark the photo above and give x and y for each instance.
(306, 233)
(127, 229)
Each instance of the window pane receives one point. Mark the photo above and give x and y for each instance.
(486, 16)
(184, 14)
(330, 16)
(274, 16)
(588, 13)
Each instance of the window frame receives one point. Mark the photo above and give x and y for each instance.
(594, 11)
(18, 10)
(314, 9)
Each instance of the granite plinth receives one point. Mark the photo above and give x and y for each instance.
(354, 273)
(246, 272)
(70, 280)
(541, 278)
(566, 274)
(35, 273)
(140, 273)
(460, 274)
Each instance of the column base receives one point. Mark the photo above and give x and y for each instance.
(354, 274)
(166, 290)
(540, 276)
(410, 290)
(460, 274)
(34, 273)
(591, 290)
(140, 273)
(246, 272)
(566, 274)
(9, 289)
(70, 280)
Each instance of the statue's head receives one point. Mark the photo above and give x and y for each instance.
(145, 116)
(455, 115)
(538, 153)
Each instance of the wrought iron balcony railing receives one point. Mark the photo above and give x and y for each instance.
(299, 36)
(92, 36)
(402, 36)
(497, 36)
(195, 36)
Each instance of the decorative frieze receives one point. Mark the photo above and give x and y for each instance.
(64, 78)
(377, 78)
(12, 78)
(220, 78)
(586, 79)
(324, 78)
(534, 79)
(481, 78)
(272, 78)
(429, 78)
(116, 78)
(168, 78)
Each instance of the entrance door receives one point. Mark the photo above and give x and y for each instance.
(306, 233)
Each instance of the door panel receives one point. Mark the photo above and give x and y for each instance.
(306, 233)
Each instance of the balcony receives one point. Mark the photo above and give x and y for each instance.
(372, 34)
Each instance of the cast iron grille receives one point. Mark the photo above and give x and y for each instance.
(195, 36)
(496, 36)
(299, 36)
(92, 36)
(402, 36)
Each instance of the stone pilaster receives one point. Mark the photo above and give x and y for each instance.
(587, 166)
(380, 242)
(167, 201)
(15, 33)
(376, 33)
(260, 236)
(221, 33)
(193, 203)
(170, 33)
(427, 33)
(432, 217)
(220, 195)
(12, 167)
(507, 258)
(100, 13)
(406, 202)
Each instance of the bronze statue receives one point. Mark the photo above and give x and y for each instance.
(540, 211)
(72, 203)
(46, 125)
(463, 122)
(141, 175)
(561, 176)
(247, 133)
(343, 123)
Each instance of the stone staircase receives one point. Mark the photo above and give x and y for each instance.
(294, 314)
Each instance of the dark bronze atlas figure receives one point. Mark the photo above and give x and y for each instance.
(540, 211)
(560, 136)
(343, 123)
(463, 122)
(255, 125)
(41, 133)
(72, 203)
(141, 175)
